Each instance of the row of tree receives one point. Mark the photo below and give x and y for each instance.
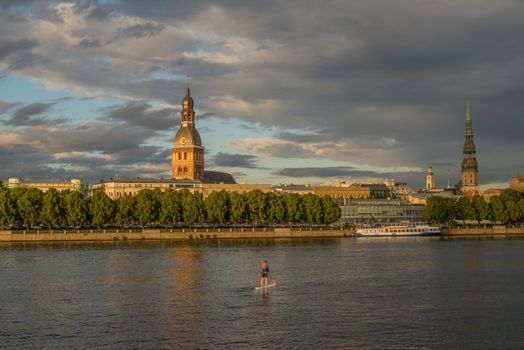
(506, 208)
(31, 207)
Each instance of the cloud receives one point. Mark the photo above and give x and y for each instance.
(138, 31)
(235, 160)
(24, 116)
(367, 83)
(87, 43)
(140, 113)
(8, 48)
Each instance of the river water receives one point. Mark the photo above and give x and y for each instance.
(418, 293)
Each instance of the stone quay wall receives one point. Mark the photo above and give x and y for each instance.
(484, 231)
(163, 234)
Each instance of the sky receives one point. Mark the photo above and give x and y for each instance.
(285, 91)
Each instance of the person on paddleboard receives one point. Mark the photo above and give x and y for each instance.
(264, 270)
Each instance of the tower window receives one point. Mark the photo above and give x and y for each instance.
(180, 170)
(185, 169)
(179, 156)
(185, 155)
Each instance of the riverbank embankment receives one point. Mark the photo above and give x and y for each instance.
(167, 234)
(490, 232)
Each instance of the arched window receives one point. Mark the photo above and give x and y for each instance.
(179, 156)
(185, 155)
(185, 169)
(180, 170)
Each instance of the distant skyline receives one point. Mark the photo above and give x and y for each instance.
(294, 91)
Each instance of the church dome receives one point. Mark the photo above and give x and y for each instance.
(187, 136)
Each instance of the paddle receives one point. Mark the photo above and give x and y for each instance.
(272, 279)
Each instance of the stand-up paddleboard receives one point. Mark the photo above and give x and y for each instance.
(272, 284)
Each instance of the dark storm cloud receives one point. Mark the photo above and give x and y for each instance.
(87, 43)
(25, 116)
(343, 172)
(140, 114)
(11, 47)
(143, 30)
(235, 160)
(324, 172)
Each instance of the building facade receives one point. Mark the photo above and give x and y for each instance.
(469, 178)
(343, 192)
(44, 186)
(120, 187)
(187, 153)
(377, 211)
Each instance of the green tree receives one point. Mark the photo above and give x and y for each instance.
(102, 209)
(147, 207)
(8, 207)
(521, 207)
(513, 211)
(53, 211)
(194, 211)
(217, 207)
(30, 205)
(331, 210)
(465, 209)
(498, 210)
(238, 208)
(313, 209)
(256, 205)
(510, 195)
(294, 208)
(76, 209)
(481, 208)
(275, 209)
(170, 208)
(125, 210)
(440, 210)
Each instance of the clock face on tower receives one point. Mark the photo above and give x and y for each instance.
(183, 140)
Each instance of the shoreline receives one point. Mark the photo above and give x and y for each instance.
(162, 234)
(495, 232)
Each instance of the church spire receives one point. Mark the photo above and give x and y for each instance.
(188, 113)
(469, 178)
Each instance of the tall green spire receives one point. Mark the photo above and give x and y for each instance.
(469, 145)
(469, 177)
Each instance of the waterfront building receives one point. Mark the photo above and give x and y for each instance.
(376, 211)
(187, 153)
(421, 197)
(292, 188)
(469, 179)
(343, 192)
(116, 188)
(491, 192)
(208, 188)
(517, 183)
(44, 186)
(399, 189)
(430, 180)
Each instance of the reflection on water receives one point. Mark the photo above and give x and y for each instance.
(331, 293)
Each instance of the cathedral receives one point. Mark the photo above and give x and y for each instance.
(187, 153)
(187, 162)
(469, 179)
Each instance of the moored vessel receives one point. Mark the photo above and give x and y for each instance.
(404, 229)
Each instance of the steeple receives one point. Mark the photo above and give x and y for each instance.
(188, 113)
(469, 177)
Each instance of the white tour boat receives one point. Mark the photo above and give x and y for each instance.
(404, 229)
